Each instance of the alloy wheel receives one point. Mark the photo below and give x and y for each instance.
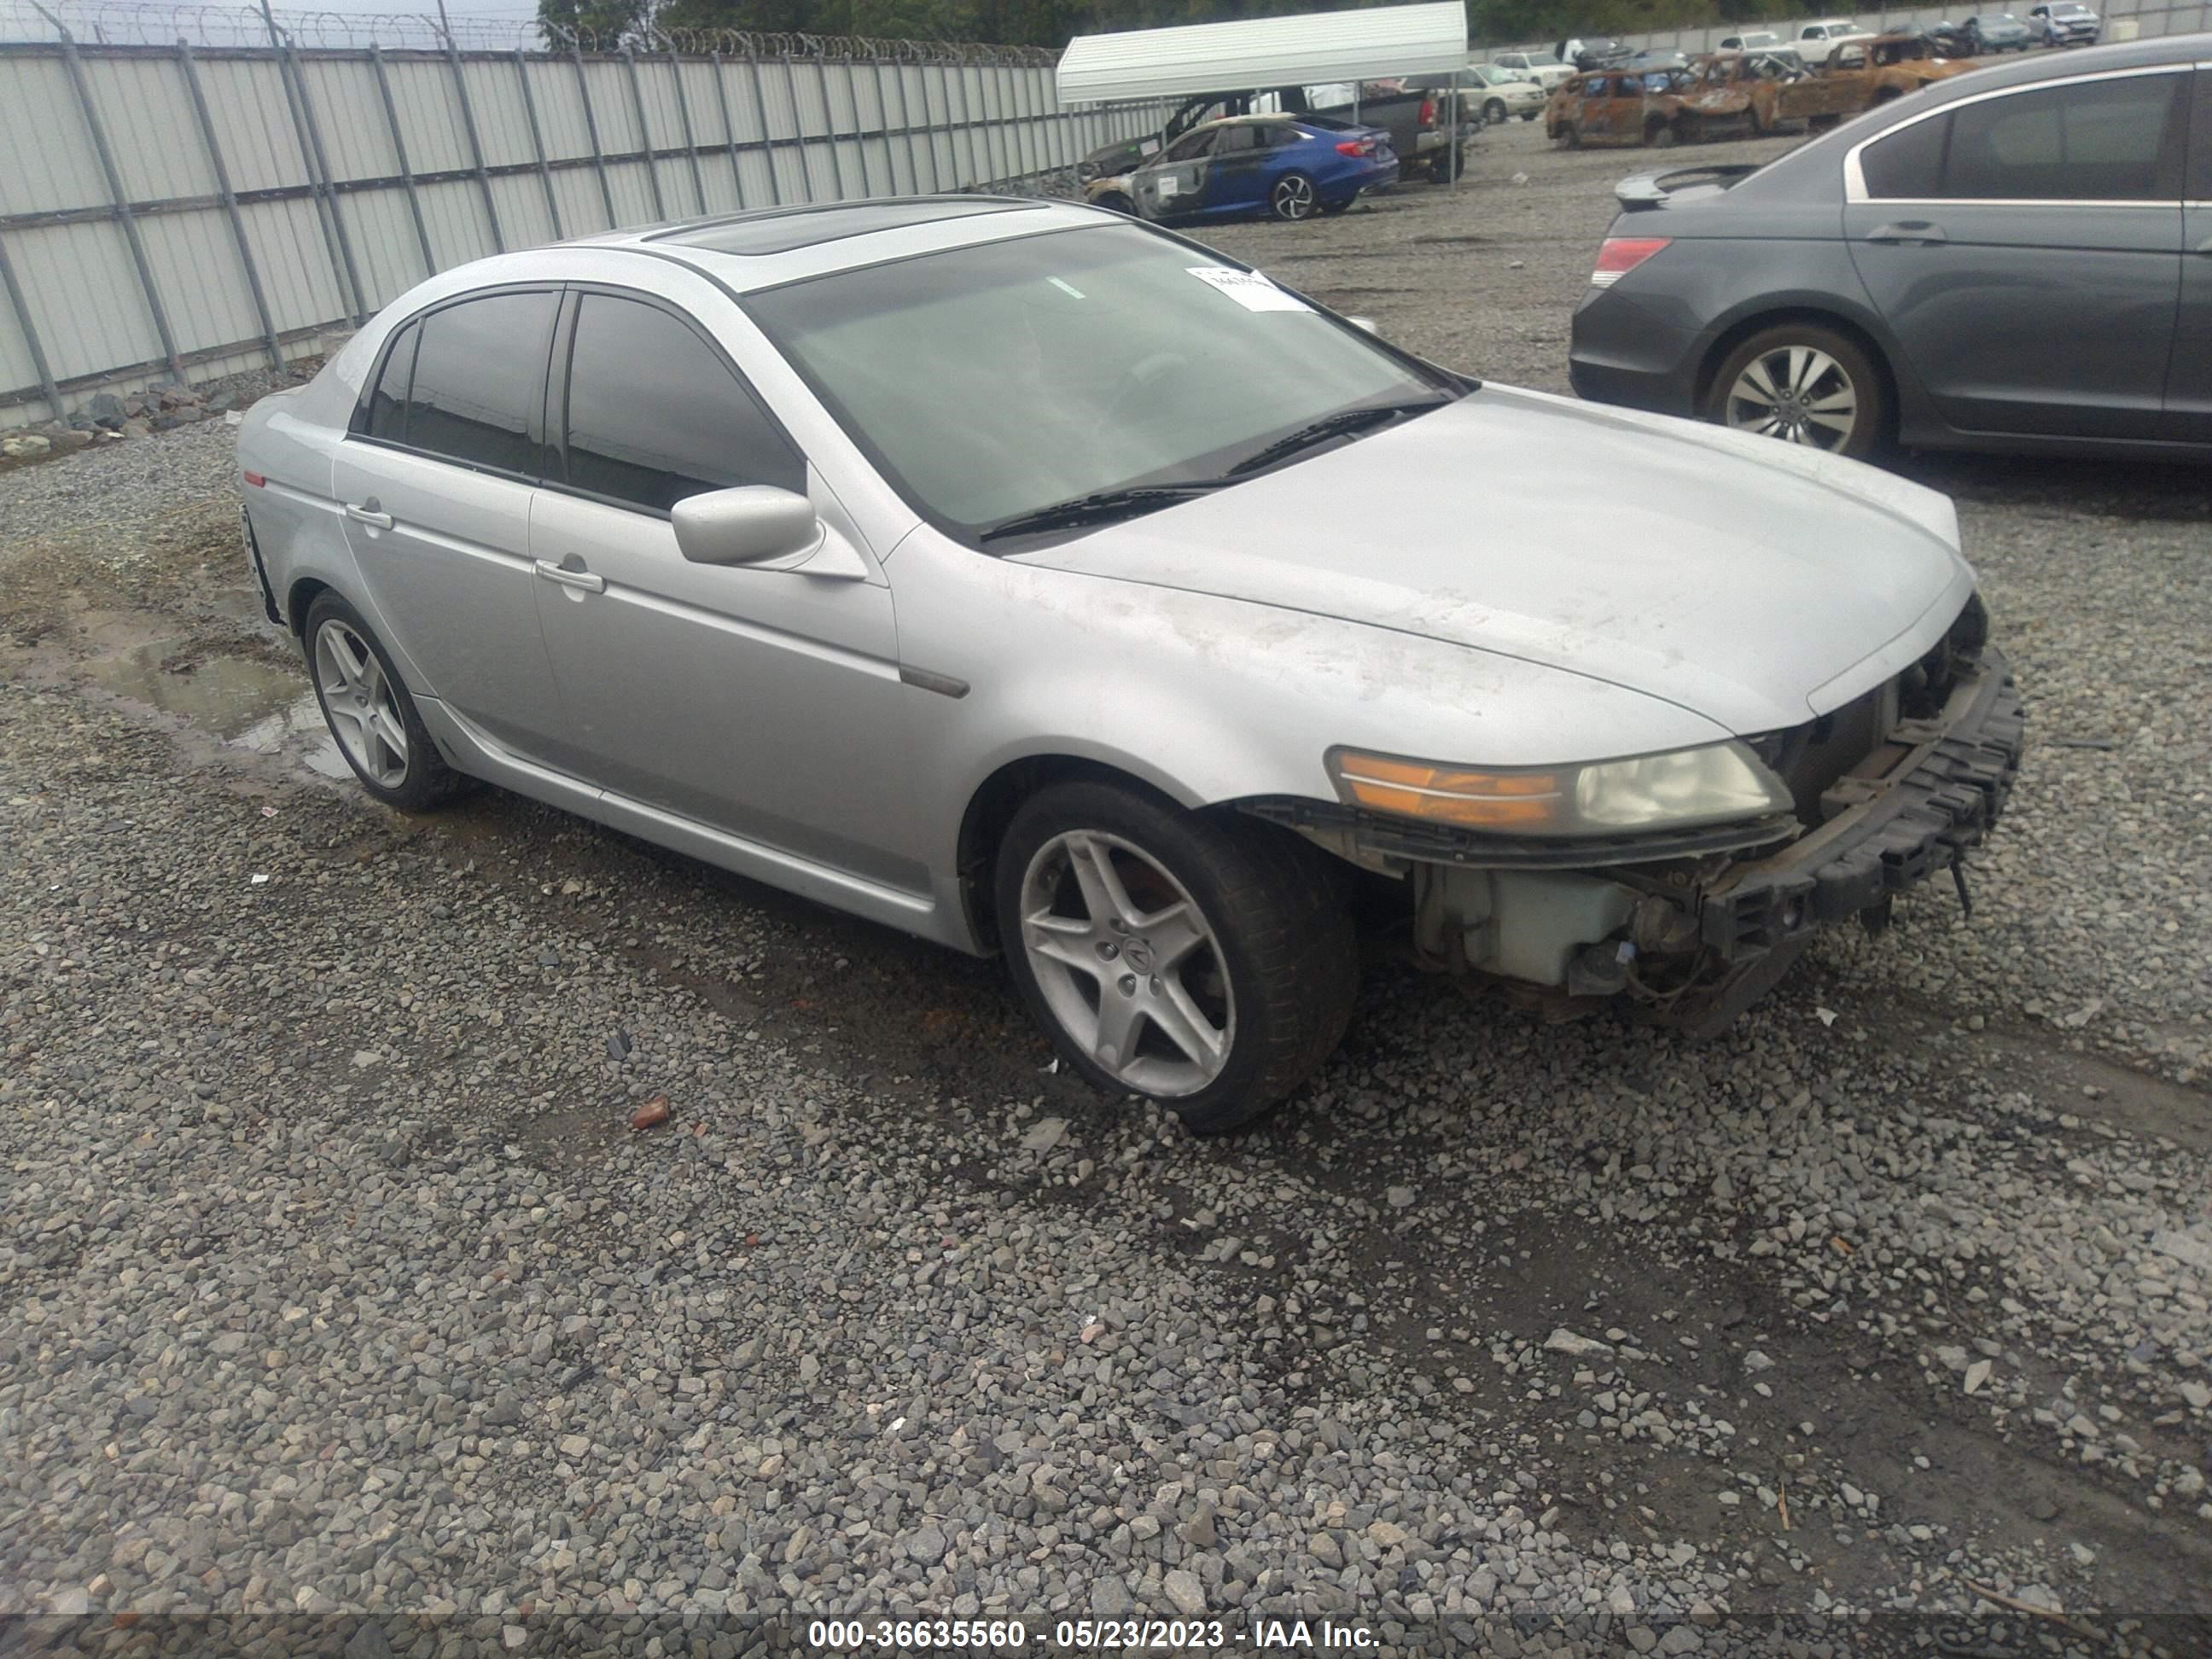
(358, 702)
(1126, 963)
(1798, 393)
(1294, 198)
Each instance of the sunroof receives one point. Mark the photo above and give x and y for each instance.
(780, 232)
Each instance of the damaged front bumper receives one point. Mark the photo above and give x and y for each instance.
(1694, 926)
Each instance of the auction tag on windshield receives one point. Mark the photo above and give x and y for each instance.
(1248, 288)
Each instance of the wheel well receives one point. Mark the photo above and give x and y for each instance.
(303, 594)
(991, 809)
(1738, 332)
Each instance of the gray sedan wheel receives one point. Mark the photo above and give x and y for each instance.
(1208, 964)
(370, 713)
(1294, 198)
(1804, 384)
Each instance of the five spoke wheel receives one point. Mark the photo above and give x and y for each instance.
(1126, 963)
(358, 700)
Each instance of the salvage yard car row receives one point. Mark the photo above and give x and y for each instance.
(1754, 93)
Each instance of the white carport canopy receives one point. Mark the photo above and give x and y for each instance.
(1256, 52)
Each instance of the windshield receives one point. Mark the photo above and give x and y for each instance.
(991, 382)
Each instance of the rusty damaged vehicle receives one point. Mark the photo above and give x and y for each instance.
(1760, 93)
(1612, 107)
(1889, 66)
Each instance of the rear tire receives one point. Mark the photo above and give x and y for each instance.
(1658, 135)
(370, 713)
(1814, 375)
(1271, 981)
(1293, 198)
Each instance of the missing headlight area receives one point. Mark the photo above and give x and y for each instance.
(1691, 922)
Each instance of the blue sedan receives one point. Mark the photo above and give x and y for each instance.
(1291, 166)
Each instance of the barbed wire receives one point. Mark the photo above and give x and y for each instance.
(152, 22)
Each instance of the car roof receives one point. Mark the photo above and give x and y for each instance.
(764, 247)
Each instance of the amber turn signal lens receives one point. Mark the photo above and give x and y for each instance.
(1449, 794)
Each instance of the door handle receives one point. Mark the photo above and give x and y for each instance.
(1907, 230)
(369, 512)
(584, 580)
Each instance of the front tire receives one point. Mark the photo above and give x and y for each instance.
(1493, 112)
(1210, 965)
(1803, 384)
(1294, 198)
(370, 713)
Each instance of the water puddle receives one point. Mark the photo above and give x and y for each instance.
(239, 701)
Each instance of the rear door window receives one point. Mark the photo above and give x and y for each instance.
(2099, 141)
(478, 391)
(653, 413)
(383, 412)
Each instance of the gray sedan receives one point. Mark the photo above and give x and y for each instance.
(1033, 581)
(2016, 259)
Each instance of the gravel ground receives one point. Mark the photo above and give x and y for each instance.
(337, 1281)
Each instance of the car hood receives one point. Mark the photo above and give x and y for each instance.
(1750, 581)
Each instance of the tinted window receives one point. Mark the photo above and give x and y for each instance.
(381, 413)
(1908, 164)
(2099, 141)
(480, 381)
(654, 415)
(2200, 143)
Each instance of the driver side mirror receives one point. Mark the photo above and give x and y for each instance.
(755, 524)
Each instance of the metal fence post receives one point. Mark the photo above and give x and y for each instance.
(537, 142)
(729, 131)
(830, 127)
(768, 139)
(319, 172)
(966, 126)
(906, 120)
(691, 143)
(798, 126)
(592, 130)
(22, 307)
(229, 200)
(475, 150)
(645, 135)
(406, 171)
(859, 130)
(121, 198)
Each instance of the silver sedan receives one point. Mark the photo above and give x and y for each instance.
(1037, 581)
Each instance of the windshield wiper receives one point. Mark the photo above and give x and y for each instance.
(1341, 424)
(1103, 507)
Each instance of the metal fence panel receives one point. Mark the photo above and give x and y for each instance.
(263, 197)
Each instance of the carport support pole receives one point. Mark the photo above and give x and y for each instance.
(1452, 156)
(229, 199)
(399, 148)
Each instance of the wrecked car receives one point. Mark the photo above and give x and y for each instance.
(1620, 106)
(1759, 93)
(1008, 573)
(1288, 166)
(1888, 66)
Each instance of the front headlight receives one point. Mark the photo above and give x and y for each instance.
(1681, 789)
